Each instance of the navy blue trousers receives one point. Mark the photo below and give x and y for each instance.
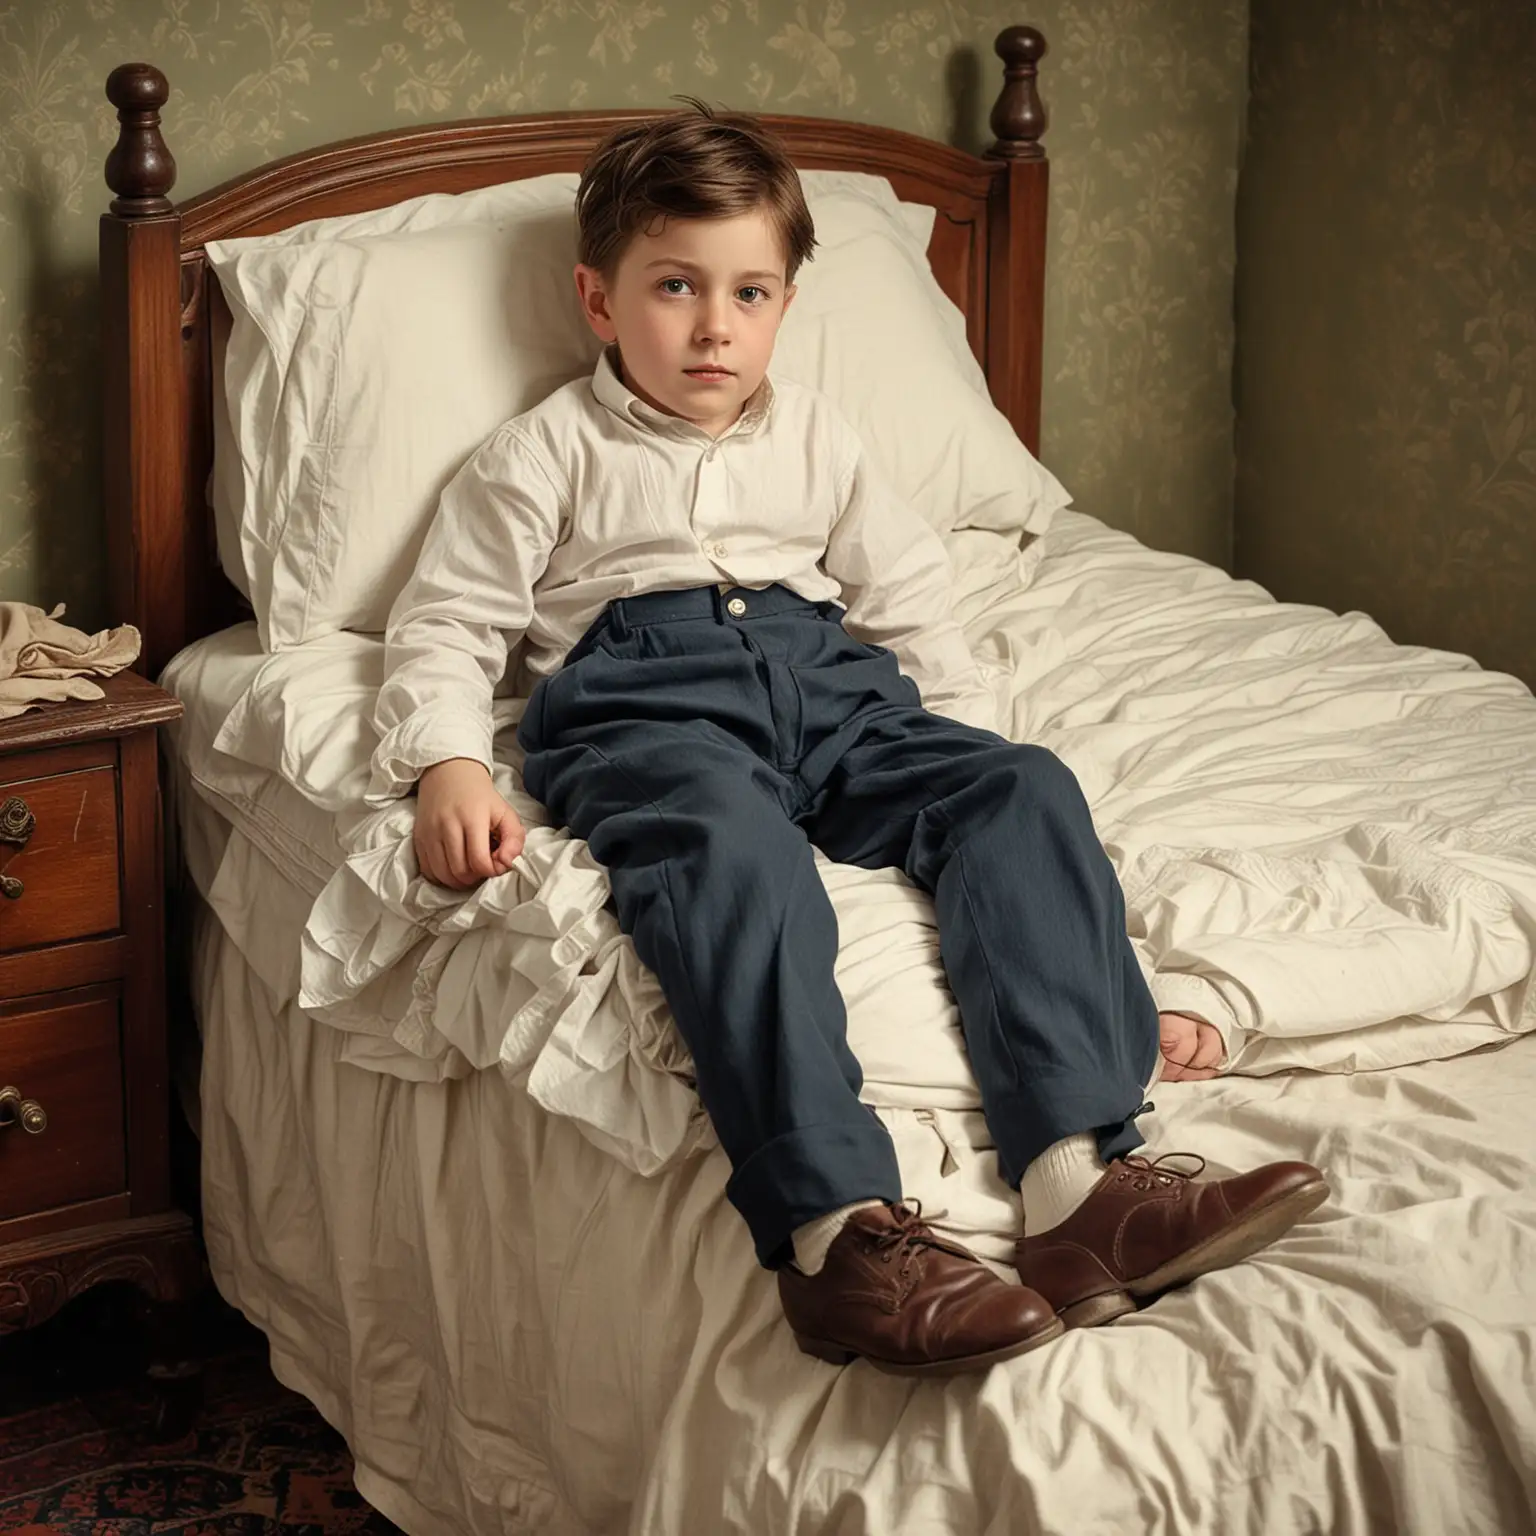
(701, 742)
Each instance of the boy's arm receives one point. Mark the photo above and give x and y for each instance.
(897, 583)
(469, 600)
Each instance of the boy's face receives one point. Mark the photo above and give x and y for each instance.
(695, 308)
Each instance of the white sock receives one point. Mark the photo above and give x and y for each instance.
(815, 1237)
(1059, 1180)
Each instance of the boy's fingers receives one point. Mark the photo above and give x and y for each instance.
(1208, 1048)
(453, 854)
(509, 840)
(427, 860)
(1178, 1047)
(1175, 1025)
(1178, 1074)
(477, 850)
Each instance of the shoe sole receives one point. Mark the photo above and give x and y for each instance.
(840, 1354)
(1230, 1246)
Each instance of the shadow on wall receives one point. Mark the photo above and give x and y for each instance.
(59, 315)
(962, 89)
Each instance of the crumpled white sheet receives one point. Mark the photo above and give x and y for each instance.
(1327, 843)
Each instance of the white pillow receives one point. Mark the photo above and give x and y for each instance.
(368, 356)
(362, 371)
(871, 328)
(235, 433)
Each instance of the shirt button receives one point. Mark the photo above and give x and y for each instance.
(736, 607)
(717, 549)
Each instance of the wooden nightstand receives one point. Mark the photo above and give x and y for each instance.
(84, 1115)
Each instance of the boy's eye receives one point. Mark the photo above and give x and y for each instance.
(751, 295)
(674, 285)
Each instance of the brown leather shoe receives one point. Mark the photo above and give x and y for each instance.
(1147, 1226)
(909, 1301)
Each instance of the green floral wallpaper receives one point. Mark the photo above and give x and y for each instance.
(1146, 99)
(1387, 317)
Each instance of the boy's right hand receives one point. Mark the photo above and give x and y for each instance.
(465, 831)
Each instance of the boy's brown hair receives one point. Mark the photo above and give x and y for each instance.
(694, 164)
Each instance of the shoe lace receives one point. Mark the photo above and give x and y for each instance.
(910, 1234)
(1145, 1172)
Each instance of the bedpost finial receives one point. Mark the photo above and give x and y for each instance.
(1018, 119)
(140, 168)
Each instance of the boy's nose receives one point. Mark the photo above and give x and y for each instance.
(714, 323)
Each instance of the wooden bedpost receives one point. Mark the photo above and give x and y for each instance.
(1016, 236)
(145, 417)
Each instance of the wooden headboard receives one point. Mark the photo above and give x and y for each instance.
(987, 253)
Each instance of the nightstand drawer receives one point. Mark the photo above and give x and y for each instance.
(67, 1061)
(68, 864)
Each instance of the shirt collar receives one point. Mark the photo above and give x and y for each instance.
(611, 391)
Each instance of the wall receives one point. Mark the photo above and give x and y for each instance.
(1387, 317)
(1146, 99)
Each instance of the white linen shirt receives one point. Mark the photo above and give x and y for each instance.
(594, 495)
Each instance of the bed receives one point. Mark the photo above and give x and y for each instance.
(453, 1166)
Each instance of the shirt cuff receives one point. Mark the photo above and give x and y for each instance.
(414, 745)
(1180, 992)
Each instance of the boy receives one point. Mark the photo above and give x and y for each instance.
(671, 543)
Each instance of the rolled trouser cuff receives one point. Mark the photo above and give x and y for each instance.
(807, 1172)
(1024, 1126)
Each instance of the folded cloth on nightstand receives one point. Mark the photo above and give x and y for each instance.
(42, 661)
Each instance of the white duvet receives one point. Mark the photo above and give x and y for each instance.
(1327, 844)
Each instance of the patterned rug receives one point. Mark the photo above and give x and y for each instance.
(258, 1458)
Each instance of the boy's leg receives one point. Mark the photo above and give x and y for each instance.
(656, 767)
(1059, 1023)
(719, 891)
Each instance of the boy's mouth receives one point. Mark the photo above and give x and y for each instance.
(709, 373)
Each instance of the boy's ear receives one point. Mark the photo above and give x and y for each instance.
(592, 292)
(789, 298)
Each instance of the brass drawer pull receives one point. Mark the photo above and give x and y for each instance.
(27, 1113)
(17, 824)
